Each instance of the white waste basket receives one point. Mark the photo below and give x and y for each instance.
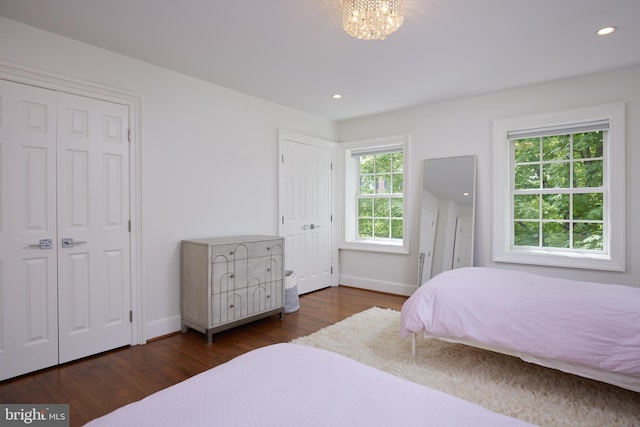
(291, 300)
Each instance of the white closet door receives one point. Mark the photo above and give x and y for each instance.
(93, 211)
(28, 273)
(305, 200)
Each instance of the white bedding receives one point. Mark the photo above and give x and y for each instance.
(586, 328)
(294, 385)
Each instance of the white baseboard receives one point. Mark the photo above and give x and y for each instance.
(169, 325)
(377, 285)
(161, 327)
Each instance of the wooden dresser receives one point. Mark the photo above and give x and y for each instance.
(229, 281)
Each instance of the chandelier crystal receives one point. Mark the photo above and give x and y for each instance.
(372, 19)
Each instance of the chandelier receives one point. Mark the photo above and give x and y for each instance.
(372, 19)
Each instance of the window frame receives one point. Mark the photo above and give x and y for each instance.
(349, 177)
(613, 257)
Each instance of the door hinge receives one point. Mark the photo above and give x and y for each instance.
(129, 135)
(129, 226)
(331, 218)
(130, 316)
(283, 219)
(331, 270)
(283, 158)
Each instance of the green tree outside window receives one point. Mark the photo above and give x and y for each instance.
(380, 196)
(558, 191)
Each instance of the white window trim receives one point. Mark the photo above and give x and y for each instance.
(614, 187)
(348, 174)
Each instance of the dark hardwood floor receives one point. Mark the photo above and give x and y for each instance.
(99, 384)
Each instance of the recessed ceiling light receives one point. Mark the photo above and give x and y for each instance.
(465, 194)
(605, 31)
(336, 96)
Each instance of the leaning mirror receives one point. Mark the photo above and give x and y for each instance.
(446, 215)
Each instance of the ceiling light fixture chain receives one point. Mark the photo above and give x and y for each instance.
(372, 19)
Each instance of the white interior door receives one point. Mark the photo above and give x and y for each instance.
(28, 272)
(64, 174)
(464, 243)
(306, 206)
(428, 226)
(93, 212)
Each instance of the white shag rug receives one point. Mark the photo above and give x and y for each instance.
(504, 384)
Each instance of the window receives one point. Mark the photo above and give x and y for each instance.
(374, 203)
(559, 200)
(379, 198)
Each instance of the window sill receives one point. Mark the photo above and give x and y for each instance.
(560, 259)
(385, 247)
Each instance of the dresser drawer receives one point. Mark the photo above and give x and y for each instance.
(239, 251)
(241, 273)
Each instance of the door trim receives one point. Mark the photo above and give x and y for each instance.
(45, 80)
(332, 146)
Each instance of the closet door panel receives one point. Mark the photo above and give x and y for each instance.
(93, 210)
(28, 264)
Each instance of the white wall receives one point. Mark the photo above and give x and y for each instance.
(463, 127)
(209, 154)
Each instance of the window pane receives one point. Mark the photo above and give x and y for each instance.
(588, 145)
(396, 207)
(381, 208)
(397, 161)
(367, 184)
(555, 206)
(365, 208)
(588, 174)
(587, 206)
(527, 150)
(396, 229)
(381, 228)
(383, 163)
(555, 147)
(383, 185)
(367, 164)
(365, 228)
(398, 183)
(555, 235)
(526, 206)
(588, 236)
(527, 176)
(526, 234)
(380, 176)
(557, 175)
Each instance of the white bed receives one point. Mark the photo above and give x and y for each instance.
(584, 328)
(295, 385)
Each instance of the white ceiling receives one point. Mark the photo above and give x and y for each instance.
(295, 52)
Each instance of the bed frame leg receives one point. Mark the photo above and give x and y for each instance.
(413, 345)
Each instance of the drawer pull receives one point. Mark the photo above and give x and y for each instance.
(268, 296)
(231, 276)
(268, 269)
(231, 253)
(231, 306)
